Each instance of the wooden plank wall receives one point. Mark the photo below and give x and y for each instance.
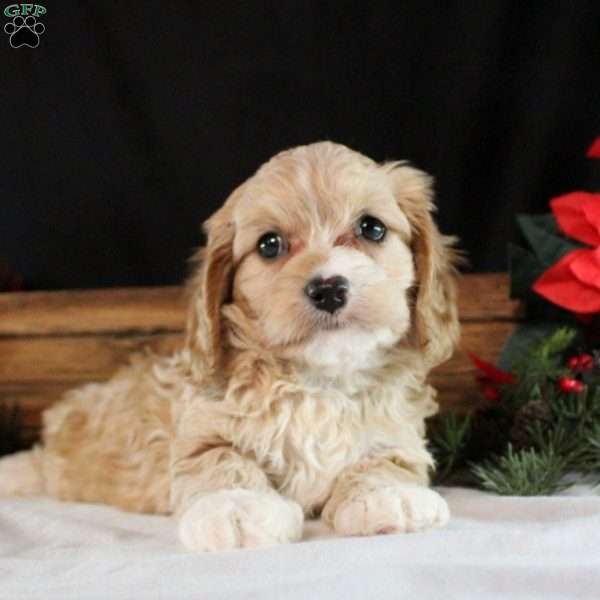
(52, 341)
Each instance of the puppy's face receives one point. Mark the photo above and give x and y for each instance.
(322, 254)
(321, 250)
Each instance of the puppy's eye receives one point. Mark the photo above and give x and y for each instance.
(271, 245)
(371, 228)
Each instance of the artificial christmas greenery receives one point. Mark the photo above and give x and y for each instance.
(539, 429)
(555, 271)
(540, 434)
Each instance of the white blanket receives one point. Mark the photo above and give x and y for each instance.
(494, 548)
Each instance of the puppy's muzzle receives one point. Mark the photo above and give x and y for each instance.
(328, 294)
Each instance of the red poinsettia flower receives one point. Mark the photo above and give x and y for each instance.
(490, 372)
(594, 149)
(574, 281)
(490, 377)
(578, 216)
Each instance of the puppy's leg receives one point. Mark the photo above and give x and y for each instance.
(225, 501)
(384, 496)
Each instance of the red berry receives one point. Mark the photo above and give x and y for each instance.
(586, 362)
(570, 385)
(491, 393)
(583, 362)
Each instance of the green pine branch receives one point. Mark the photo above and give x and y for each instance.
(523, 473)
(558, 433)
(541, 365)
(449, 442)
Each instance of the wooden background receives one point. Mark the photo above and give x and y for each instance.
(52, 341)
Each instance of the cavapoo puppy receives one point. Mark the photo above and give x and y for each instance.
(324, 296)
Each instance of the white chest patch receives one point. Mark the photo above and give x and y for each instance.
(342, 352)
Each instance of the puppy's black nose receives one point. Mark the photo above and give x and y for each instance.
(328, 294)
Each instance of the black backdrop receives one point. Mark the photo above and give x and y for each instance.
(131, 122)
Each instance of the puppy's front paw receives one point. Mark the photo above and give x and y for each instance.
(238, 518)
(390, 509)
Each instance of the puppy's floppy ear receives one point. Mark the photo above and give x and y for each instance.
(209, 288)
(435, 315)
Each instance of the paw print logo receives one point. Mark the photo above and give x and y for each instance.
(24, 31)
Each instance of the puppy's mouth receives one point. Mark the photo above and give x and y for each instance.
(332, 322)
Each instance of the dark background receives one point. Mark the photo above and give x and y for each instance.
(131, 122)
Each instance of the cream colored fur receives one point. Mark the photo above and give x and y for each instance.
(272, 409)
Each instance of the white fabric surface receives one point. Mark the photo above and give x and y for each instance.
(494, 548)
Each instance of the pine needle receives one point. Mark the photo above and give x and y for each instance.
(449, 442)
(523, 473)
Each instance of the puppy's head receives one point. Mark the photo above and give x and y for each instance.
(332, 258)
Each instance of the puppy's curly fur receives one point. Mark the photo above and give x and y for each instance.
(272, 409)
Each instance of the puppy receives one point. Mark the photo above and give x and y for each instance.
(324, 296)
